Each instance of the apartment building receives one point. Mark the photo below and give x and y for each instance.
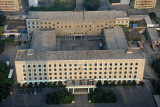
(10, 5)
(68, 24)
(143, 4)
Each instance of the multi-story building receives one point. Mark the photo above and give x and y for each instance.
(79, 68)
(143, 4)
(10, 5)
(70, 24)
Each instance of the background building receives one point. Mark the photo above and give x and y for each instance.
(10, 5)
(79, 24)
(33, 3)
(143, 4)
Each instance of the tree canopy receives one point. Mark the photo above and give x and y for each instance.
(92, 4)
(152, 15)
(2, 20)
(156, 66)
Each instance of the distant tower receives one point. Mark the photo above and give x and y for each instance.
(33, 3)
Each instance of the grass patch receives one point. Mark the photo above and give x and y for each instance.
(57, 5)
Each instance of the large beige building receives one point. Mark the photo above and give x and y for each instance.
(79, 68)
(143, 4)
(69, 24)
(10, 5)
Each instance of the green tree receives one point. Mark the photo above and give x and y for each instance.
(99, 83)
(1, 31)
(2, 20)
(112, 84)
(152, 15)
(106, 83)
(156, 66)
(124, 83)
(119, 83)
(60, 84)
(134, 83)
(92, 4)
(30, 85)
(18, 85)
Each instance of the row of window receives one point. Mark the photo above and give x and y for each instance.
(75, 73)
(80, 77)
(70, 65)
(75, 22)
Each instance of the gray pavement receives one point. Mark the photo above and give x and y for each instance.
(128, 96)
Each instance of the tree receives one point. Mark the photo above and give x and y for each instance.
(2, 20)
(1, 31)
(112, 84)
(156, 66)
(99, 83)
(18, 85)
(119, 83)
(106, 83)
(24, 86)
(30, 85)
(152, 15)
(60, 84)
(129, 82)
(134, 83)
(92, 4)
(124, 83)
(141, 83)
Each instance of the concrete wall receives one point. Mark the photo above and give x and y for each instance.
(33, 3)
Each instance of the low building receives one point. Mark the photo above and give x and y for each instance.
(33, 3)
(10, 5)
(143, 4)
(153, 37)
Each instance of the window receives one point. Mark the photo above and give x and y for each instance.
(75, 64)
(60, 65)
(39, 65)
(105, 68)
(75, 69)
(34, 65)
(50, 69)
(54, 65)
(65, 65)
(95, 72)
(70, 65)
(49, 65)
(85, 72)
(136, 64)
(44, 69)
(85, 64)
(95, 68)
(115, 64)
(90, 68)
(100, 68)
(23, 66)
(70, 69)
(131, 63)
(105, 64)
(135, 76)
(120, 64)
(110, 64)
(24, 74)
(29, 66)
(55, 69)
(126, 64)
(44, 65)
(105, 72)
(100, 72)
(136, 68)
(50, 73)
(90, 72)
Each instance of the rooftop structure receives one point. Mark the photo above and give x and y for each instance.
(143, 4)
(79, 15)
(115, 39)
(43, 40)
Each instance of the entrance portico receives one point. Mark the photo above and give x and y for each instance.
(81, 84)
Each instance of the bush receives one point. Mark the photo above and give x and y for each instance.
(156, 67)
(101, 96)
(141, 83)
(112, 84)
(119, 83)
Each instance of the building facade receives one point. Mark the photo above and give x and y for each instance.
(68, 24)
(54, 66)
(10, 5)
(143, 4)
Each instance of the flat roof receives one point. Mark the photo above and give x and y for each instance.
(145, 17)
(115, 38)
(153, 34)
(76, 15)
(14, 24)
(22, 55)
(43, 40)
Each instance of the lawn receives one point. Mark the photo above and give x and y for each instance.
(57, 5)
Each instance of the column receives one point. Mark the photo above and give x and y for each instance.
(74, 38)
(88, 90)
(68, 89)
(93, 89)
(81, 37)
(73, 90)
